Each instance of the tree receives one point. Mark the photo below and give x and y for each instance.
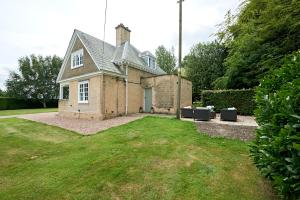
(2, 93)
(258, 38)
(36, 78)
(204, 64)
(165, 59)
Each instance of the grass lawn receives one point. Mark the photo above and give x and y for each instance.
(151, 158)
(26, 111)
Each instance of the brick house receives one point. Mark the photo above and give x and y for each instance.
(99, 81)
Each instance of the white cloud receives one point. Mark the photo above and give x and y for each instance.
(45, 27)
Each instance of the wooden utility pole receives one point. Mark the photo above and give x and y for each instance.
(179, 61)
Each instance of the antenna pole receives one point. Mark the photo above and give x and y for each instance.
(104, 30)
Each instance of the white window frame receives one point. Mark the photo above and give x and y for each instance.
(84, 94)
(77, 54)
(61, 90)
(151, 62)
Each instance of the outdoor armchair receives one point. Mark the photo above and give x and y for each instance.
(229, 114)
(202, 114)
(187, 112)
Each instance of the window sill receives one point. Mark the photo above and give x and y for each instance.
(77, 66)
(83, 102)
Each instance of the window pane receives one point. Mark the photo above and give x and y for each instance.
(81, 59)
(86, 90)
(77, 60)
(65, 92)
(83, 91)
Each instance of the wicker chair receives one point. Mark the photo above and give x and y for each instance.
(228, 115)
(202, 114)
(187, 112)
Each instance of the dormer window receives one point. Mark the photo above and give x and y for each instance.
(77, 59)
(151, 62)
(149, 59)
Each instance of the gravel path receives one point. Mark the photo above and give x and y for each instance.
(241, 132)
(82, 126)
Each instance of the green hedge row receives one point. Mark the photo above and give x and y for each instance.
(276, 149)
(7, 103)
(242, 100)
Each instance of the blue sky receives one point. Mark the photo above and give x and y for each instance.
(44, 27)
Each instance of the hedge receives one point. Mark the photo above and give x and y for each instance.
(7, 103)
(242, 100)
(276, 149)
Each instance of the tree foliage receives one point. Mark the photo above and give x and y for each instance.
(165, 59)
(36, 78)
(276, 150)
(2, 93)
(258, 38)
(204, 64)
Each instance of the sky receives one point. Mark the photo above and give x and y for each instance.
(45, 27)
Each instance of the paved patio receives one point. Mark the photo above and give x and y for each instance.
(82, 126)
(241, 121)
(243, 129)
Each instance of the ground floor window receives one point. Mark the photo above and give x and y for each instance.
(83, 92)
(65, 92)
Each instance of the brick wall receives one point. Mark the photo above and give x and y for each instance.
(164, 93)
(90, 110)
(135, 89)
(107, 95)
(114, 96)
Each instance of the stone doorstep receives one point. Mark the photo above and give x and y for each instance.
(241, 132)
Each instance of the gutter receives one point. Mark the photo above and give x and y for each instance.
(85, 76)
(126, 93)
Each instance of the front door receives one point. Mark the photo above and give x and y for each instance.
(148, 99)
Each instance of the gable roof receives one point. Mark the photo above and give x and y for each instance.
(111, 58)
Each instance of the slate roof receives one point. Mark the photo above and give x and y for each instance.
(114, 56)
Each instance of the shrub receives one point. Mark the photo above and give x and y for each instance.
(276, 150)
(196, 94)
(197, 104)
(242, 100)
(7, 103)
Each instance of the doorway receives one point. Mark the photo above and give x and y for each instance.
(147, 99)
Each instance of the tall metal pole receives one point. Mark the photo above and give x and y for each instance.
(179, 61)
